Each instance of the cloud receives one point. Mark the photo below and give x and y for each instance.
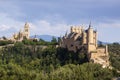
(108, 31)
(45, 27)
(4, 27)
(11, 8)
(110, 23)
(8, 25)
(72, 10)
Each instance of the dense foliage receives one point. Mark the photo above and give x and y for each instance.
(33, 62)
(5, 42)
(40, 42)
(114, 50)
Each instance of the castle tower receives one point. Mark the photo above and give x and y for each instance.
(90, 35)
(91, 42)
(26, 30)
(96, 33)
(106, 49)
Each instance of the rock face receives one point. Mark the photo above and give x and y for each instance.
(79, 37)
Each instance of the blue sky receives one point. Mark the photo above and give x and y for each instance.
(54, 17)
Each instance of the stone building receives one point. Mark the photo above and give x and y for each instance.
(79, 37)
(22, 34)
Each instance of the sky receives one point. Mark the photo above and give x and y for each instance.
(55, 17)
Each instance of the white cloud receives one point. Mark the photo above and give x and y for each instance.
(11, 7)
(44, 27)
(4, 27)
(8, 25)
(110, 23)
(109, 31)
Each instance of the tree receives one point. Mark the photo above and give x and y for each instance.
(54, 40)
(4, 38)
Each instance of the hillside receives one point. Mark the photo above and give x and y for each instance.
(114, 51)
(34, 63)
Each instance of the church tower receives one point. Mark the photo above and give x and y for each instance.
(26, 30)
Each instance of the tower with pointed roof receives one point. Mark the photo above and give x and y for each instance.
(91, 39)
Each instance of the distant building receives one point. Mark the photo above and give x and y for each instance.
(22, 34)
(79, 37)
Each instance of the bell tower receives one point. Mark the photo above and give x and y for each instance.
(26, 30)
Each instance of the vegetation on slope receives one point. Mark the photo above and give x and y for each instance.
(114, 51)
(21, 62)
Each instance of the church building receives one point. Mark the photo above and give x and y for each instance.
(22, 34)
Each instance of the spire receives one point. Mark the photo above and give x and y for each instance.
(90, 25)
(20, 30)
(60, 38)
(26, 24)
(66, 34)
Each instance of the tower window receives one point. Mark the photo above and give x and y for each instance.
(71, 45)
(26, 30)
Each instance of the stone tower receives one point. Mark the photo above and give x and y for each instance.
(91, 39)
(26, 30)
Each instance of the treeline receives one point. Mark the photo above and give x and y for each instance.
(40, 42)
(20, 62)
(25, 41)
(5, 42)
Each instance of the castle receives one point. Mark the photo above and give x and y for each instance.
(22, 34)
(79, 37)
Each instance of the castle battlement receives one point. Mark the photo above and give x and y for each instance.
(77, 29)
(79, 37)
